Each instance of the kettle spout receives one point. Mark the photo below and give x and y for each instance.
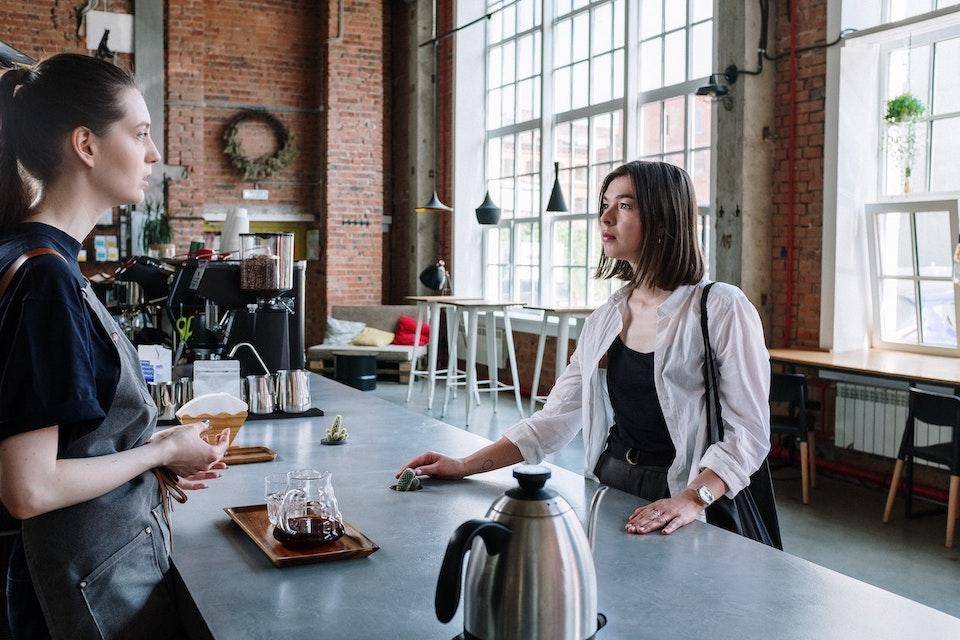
(592, 516)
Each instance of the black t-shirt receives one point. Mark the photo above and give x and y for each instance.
(58, 365)
(638, 417)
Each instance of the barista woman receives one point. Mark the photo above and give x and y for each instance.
(78, 452)
(643, 416)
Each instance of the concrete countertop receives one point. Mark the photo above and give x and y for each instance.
(700, 582)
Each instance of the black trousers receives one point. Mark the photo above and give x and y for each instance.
(24, 614)
(643, 481)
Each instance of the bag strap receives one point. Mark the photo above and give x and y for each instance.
(15, 266)
(710, 375)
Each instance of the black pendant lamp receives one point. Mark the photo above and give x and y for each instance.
(556, 204)
(434, 205)
(488, 212)
(436, 277)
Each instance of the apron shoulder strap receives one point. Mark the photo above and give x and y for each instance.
(13, 268)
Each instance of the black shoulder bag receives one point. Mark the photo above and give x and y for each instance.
(752, 513)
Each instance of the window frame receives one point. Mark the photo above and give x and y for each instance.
(628, 106)
(885, 49)
(912, 207)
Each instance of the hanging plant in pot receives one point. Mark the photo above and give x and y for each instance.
(902, 115)
(157, 234)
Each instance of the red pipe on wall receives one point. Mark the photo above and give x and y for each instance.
(791, 151)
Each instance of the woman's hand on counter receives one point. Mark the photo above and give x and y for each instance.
(436, 465)
(501, 453)
(196, 481)
(185, 453)
(668, 514)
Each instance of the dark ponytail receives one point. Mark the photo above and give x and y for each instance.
(15, 196)
(41, 105)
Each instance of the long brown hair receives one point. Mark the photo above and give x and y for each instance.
(670, 253)
(39, 106)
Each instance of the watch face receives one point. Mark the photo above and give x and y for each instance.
(705, 494)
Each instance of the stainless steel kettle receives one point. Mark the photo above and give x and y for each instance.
(531, 573)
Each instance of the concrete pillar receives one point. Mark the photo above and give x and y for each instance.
(417, 235)
(744, 160)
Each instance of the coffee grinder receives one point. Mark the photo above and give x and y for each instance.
(257, 299)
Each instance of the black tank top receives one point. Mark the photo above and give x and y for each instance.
(638, 418)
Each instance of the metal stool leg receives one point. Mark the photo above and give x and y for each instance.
(512, 356)
(471, 362)
(490, 321)
(432, 350)
(453, 334)
(563, 339)
(538, 363)
(413, 351)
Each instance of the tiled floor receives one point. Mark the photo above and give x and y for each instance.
(840, 529)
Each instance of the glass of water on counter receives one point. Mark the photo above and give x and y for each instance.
(275, 485)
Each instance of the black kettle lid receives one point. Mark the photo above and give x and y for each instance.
(532, 479)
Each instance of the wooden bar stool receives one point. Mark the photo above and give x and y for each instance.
(934, 409)
(791, 389)
(563, 316)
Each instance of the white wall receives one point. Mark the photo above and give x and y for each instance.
(469, 137)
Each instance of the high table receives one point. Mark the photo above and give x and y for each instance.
(473, 309)
(563, 316)
(700, 582)
(432, 305)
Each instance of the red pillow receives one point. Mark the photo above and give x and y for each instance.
(407, 329)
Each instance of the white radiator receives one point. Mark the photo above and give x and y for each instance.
(482, 346)
(872, 420)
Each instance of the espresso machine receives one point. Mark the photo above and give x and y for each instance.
(254, 302)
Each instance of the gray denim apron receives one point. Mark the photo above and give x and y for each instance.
(101, 568)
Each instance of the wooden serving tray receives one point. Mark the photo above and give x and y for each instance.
(246, 455)
(253, 521)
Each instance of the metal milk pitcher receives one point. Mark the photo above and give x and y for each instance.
(293, 390)
(531, 573)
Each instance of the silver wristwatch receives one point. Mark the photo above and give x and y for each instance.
(705, 495)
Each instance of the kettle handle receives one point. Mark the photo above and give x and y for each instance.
(493, 534)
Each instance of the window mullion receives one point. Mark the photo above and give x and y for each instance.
(631, 84)
(547, 120)
(916, 275)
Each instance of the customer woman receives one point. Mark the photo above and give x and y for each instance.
(643, 417)
(77, 442)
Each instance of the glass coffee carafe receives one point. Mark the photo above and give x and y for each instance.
(308, 511)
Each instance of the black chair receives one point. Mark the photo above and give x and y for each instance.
(934, 409)
(791, 389)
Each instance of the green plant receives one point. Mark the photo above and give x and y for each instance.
(902, 114)
(904, 108)
(156, 227)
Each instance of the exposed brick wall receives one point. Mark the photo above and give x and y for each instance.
(41, 29)
(808, 176)
(185, 116)
(446, 83)
(354, 202)
(227, 54)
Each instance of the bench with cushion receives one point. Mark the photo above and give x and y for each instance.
(396, 357)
